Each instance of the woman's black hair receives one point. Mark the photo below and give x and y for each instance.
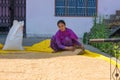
(61, 21)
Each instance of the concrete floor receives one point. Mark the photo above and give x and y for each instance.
(27, 41)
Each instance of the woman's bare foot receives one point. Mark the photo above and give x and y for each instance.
(54, 51)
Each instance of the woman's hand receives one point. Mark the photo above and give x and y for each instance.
(70, 48)
(82, 47)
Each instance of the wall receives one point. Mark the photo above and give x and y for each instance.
(107, 7)
(42, 22)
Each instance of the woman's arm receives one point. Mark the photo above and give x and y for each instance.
(75, 39)
(70, 48)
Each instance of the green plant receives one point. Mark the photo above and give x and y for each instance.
(100, 31)
(85, 38)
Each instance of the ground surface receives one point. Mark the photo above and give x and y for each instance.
(42, 66)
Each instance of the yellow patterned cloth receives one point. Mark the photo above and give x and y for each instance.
(1, 46)
(43, 46)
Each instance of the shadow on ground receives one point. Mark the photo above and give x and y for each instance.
(43, 55)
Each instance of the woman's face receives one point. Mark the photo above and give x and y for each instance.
(61, 26)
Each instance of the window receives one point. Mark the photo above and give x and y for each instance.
(76, 8)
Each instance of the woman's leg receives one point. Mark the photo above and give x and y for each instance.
(53, 44)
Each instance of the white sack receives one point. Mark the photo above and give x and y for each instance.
(15, 37)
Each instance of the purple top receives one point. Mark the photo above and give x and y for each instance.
(61, 35)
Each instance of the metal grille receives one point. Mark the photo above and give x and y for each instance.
(11, 10)
(76, 8)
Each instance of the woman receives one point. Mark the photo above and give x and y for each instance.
(64, 39)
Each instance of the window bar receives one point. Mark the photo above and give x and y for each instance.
(76, 12)
(24, 31)
(77, 9)
(2, 11)
(55, 9)
(11, 11)
(21, 10)
(96, 7)
(86, 13)
(66, 8)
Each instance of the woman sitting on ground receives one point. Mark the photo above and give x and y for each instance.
(65, 39)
